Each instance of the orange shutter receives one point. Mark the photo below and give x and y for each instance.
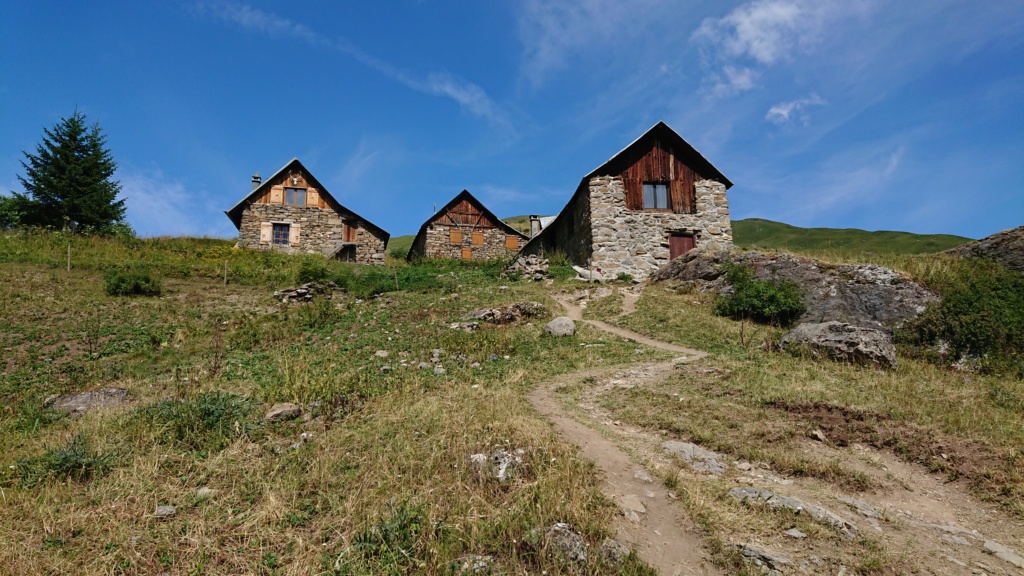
(277, 195)
(478, 238)
(455, 236)
(467, 253)
(266, 232)
(511, 242)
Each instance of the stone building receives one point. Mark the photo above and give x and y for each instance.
(465, 229)
(294, 213)
(655, 200)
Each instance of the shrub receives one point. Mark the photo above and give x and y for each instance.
(207, 421)
(399, 252)
(981, 316)
(73, 461)
(131, 282)
(312, 269)
(774, 301)
(624, 277)
(392, 545)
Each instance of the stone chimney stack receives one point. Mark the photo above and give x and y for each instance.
(256, 180)
(534, 225)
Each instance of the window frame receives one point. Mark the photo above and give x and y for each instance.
(655, 188)
(292, 195)
(280, 234)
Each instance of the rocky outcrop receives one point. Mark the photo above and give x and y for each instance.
(859, 294)
(78, 404)
(304, 292)
(531, 267)
(1006, 248)
(842, 342)
(507, 314)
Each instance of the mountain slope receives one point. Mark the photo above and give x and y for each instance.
(766, 234)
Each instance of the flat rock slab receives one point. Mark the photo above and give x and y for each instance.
(86, 401)
(773, 500)
(842, 342)
(1004, 553)
(283, 411)
(698, 458)
(760, 557)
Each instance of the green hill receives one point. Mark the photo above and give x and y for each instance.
(765, 234)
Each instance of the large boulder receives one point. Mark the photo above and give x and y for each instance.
(1006, 248)
(561, 326)
(859, 294)
(842, 342)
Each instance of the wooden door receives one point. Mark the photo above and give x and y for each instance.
(679, 244)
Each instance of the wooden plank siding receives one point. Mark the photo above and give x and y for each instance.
(465, 214)
(661, 165)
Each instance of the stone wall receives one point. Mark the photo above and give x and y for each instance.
(320, 231)
(637, 241)
(569, 233)
(438, 243)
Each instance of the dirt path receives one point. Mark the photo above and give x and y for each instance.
(938, 527)
(659, 531)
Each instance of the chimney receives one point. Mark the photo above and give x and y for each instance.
(534, 225)
(256, 180)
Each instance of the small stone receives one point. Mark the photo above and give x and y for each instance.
(381, 353)
(206, 492)
(423, 365)
(165, 512)
(632, 502)
(643, 476)
(283, 411)
(474, 365)
(818, 435)
(794, 533)
(613, 551)
(745, 466)
(439, 370)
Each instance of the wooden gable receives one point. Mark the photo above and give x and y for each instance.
(465, 213)
(298, 178)
(660, 164)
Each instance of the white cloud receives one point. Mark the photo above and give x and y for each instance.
(783, 112)
(158, 206)
(468, 95)
(764, 33)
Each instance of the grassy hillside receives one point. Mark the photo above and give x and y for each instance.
(376, 477)
(521, 223)
(761, 234)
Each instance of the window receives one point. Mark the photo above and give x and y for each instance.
(511, 242)
(295, 196)
(281, 234)
(656, 196)
(478, 238)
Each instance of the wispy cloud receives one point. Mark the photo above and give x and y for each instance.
(157, 206)
(761, 34)
(466, 94)
(784, 112)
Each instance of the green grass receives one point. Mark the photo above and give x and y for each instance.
(758, 234)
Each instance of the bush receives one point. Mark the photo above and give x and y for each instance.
(73, 461)
(208, 421)
(131, 282)
(312, 269)
(776, 301)
(981, 316)
(399, 252)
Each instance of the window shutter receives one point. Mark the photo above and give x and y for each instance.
(277, 195)
(266, 232)
(455, 236)
(312, 198)
(467, 253)
(293, 234)
(511, 242)
(478, 238)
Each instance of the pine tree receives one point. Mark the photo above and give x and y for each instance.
(68, 183)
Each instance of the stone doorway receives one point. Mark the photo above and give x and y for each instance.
(680, 243)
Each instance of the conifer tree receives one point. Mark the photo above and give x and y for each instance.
(67, 182)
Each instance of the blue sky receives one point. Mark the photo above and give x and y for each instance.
(874, 114)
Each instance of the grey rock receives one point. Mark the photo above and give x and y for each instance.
(500, 465)
(439, 370)
(423, 365)
(381, 353)
(843, 342)
(858, 294)
(760, 557)
(643, 476)
(465, 326)
(817, 513)
(1004, 553)
(612, 551)
(78, 404)
(165, 512)
(698, 458)
(588, 275)
(507, 314)
(1005, 248)
(632, 503)
(862, 508)
(283, 411)
(561, 542)
(794, 533)
(561, 326)
(206, 492)
(477, 564)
